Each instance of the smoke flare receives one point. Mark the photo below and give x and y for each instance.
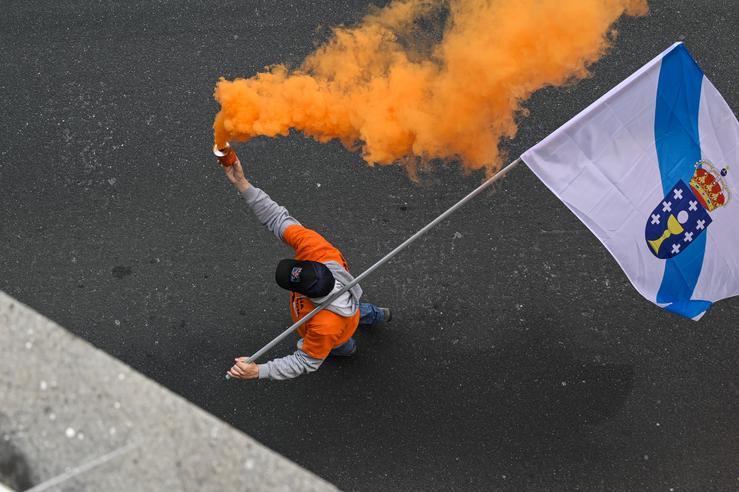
(384, 88)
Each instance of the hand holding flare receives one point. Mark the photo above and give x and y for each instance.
(231, 165)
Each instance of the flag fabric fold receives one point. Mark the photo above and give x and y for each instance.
(651, 169)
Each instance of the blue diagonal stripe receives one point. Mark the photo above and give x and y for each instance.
(678, 149)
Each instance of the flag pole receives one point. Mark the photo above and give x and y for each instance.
(384, 260)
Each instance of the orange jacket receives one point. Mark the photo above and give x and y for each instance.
(326, 329)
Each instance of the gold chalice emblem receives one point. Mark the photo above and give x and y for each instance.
(673, 227)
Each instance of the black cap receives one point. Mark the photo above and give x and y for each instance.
(310, 278)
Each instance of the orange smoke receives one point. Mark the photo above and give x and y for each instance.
(382, 86)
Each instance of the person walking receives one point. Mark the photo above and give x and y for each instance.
(317, 271)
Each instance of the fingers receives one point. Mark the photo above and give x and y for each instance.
(241, 369)
(236, 164)
(228, 172)
(234, 173)
(237, 372)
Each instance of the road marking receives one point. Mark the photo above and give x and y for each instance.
(82, 468)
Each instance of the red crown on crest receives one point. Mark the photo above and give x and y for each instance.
(709, 186)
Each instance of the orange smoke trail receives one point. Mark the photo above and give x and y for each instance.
(373, 87)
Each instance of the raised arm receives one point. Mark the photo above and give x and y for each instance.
(271, 215)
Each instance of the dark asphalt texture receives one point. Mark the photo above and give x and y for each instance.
(519, 356)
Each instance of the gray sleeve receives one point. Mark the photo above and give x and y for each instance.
(289, 367)
(272, 216)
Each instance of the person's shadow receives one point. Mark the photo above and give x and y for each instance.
(528, 403)
(434, 412)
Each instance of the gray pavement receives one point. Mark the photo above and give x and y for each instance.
(73, 418)
(519, 356)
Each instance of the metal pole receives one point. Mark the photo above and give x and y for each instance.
(382, 261)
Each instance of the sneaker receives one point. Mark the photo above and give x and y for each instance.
(387, 315)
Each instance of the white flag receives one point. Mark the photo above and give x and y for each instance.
(651, 168)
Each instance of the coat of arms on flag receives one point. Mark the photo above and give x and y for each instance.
(683, 214)
(659, 146)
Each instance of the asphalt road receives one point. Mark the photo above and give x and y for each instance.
(519, 356)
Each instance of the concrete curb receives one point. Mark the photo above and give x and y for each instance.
(74, 418)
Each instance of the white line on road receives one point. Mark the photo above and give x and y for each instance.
(82, 468)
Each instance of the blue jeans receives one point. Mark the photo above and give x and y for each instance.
(369, 317)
